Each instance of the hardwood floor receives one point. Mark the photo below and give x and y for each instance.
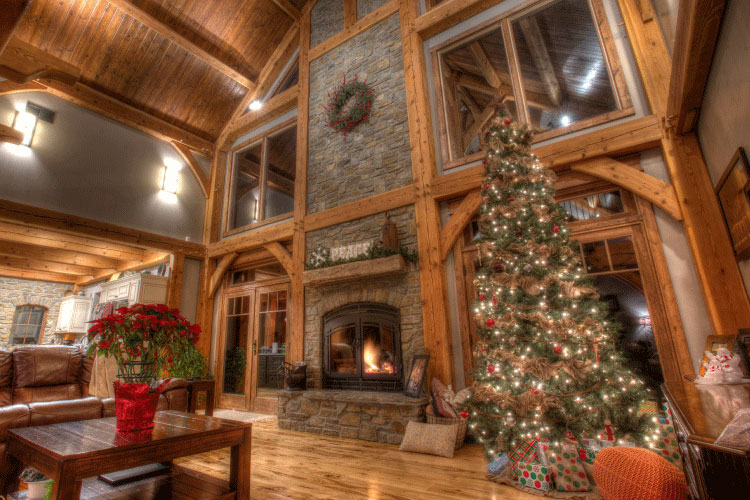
(289, 465)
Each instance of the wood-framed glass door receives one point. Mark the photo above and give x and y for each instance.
(252, 344)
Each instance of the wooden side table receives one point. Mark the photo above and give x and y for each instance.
(198, 386)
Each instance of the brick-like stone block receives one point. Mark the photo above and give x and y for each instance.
(352, 419)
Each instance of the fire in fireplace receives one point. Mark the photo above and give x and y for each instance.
(362, 348)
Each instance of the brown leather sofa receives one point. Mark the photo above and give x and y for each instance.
(41, 385)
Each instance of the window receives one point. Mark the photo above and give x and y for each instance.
(593, 206)
(262, 180)
(28, 324)
(290, 79)
(553, 66)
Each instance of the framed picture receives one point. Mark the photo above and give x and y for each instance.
(732, 190)
(416, 376)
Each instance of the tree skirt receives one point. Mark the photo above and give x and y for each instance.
(508, 478)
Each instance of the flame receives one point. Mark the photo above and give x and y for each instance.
(372, 357)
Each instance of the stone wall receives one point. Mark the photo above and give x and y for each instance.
(381, 417)
(376, 157)
(17, 292)
(364, 7)
(402, 292)
(326, 19)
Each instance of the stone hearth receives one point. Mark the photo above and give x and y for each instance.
(371, 416)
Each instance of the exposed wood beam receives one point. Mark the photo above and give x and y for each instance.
(469, 101)
(697, 30)
(268, 75)
(97, 253)
(10, 16)
(29, 264)
(22, 63)
(41, 217)
(629, 137)
(55, 255)
(283, 256)
(151, 259)
(218, 273)
(11, 272)
(174, 287)
(456, 224)
(9, 87)
(640, 183)
(476, 127)
(258, 238)
(533, 36)
(350, 12)
(355, 29)
(533, 98)
(447, 14)
(275, 107)
(390, 200)
(233, 70)
(198, 172)
(288, 9)
(453, 115)
(483, 61)
(11, 135)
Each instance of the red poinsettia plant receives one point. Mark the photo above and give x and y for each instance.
(146, 335)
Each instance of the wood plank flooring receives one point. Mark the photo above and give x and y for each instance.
(289, 465)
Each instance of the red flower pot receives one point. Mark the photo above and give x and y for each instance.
(135, 405)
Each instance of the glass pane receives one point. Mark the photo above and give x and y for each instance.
(341, 358)
(666, 13)
(246, 187)
(377, 351)
(264, 302)
(563, 71)
(235, 355)
(592, 206)
(272, 330)
(21, 317)
(35, 318)
(282, 161)
(290, 79)
(622, 252)
(475, 78)
(595, 254)
(282, 301)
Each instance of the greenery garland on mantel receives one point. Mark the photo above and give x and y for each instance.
(374, 252)
(349, 105)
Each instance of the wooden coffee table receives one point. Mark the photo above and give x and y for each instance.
(72, 451)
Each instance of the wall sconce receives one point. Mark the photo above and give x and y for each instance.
(170, 179)
(25, 123)
(26, 119)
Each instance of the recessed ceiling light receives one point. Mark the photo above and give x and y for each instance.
(255, 105)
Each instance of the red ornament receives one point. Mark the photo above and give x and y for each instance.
(558, 349)
(486, 186)
(464, 414)
(510, 198)
(533, 391)
(556, 229)
(490, 368)
(494, 300)
(490, 322)
(481, 297)
(507, 121)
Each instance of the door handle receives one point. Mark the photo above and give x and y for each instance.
(255, 347)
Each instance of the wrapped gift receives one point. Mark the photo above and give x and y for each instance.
(666, 446)
(524, 452)
(565, 467)
(533, 475)
(589, 448)
(498, 465)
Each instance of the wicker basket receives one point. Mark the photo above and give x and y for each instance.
(459, 422)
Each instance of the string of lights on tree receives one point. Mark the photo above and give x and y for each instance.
(546, 361)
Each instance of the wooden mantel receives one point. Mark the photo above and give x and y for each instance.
(352, 271)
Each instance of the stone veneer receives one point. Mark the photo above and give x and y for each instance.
(376, 157)
(364, 7)
(402, 292)
(326, 19)
(371, 416)
(18, 292)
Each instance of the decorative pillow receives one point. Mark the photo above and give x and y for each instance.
(567, 471)
(433, 439)
(524, 452)
(442, 408)
(534, 476)
(461, 397)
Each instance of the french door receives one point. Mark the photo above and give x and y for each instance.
(252, 345)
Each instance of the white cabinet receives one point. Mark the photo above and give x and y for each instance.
(136, 289)
(74, 314)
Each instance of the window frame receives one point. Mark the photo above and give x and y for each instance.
(503, 22)
(40, 333)
(263, 140)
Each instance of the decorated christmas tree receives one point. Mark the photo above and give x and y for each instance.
(547, 365)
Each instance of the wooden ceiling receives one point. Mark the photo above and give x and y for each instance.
(189, 63)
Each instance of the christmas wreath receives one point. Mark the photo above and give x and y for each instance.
(348, 106)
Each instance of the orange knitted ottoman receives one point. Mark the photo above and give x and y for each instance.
(637, 474)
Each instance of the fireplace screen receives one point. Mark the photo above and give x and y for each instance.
(362, 348)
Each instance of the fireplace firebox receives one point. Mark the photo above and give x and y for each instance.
(362, 348)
